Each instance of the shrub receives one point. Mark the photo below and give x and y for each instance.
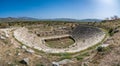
(111, 32)
(100, 49)
(79, 58)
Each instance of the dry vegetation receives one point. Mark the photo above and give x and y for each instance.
(12, 52)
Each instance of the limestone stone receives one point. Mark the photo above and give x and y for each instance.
(65, 61)
(30, 51)
(2, 37)
(104, 45)
(25, 61)
(24, 47)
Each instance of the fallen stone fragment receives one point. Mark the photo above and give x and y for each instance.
(30, 51)
(19, 54)
(1, 37)
(104, 45)
(65, 61)
(24, 47)
(25, 61)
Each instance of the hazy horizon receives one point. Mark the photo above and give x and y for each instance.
(50, 9)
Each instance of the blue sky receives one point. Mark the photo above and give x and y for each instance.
(47, 9)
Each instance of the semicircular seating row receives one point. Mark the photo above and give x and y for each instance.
(84, 36)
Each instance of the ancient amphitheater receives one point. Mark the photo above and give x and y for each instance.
(84, 37)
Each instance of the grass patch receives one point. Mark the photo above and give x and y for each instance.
(60, 42)
(65, 56)
(39, 64)
(81, 56)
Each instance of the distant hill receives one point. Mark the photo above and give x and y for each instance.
(12, 19)
(74, 20)
(27, 18)
(63, 19)
(91, 20)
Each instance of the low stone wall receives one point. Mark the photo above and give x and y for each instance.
(36, 42)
